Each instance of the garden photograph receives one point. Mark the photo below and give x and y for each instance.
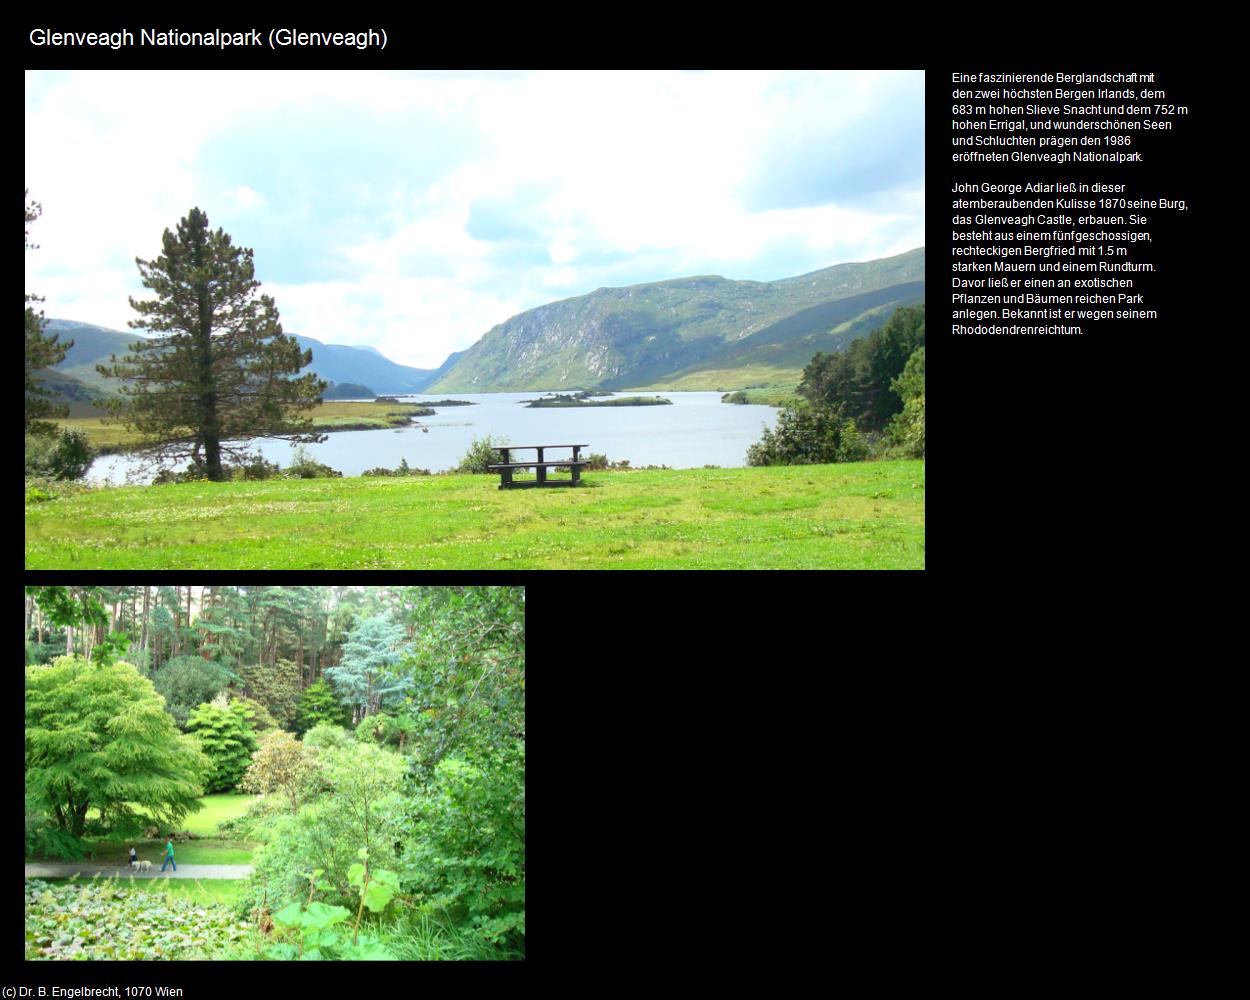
(268, 773)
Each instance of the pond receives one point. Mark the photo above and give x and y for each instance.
(697, 430)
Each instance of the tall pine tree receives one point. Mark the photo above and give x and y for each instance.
(220, 371)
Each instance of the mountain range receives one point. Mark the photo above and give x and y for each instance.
(688, 331)
(332, 362)
(699, 332)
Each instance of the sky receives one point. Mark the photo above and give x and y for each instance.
(411, 212)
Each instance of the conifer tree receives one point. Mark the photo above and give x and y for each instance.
(97, 735)
(319, 703)
(220, 370)
(42, 352)
(226, 736)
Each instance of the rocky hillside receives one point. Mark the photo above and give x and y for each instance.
(621, 337)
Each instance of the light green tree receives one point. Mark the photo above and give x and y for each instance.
(97, 735)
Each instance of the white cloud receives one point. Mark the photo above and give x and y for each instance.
(244, 198)
(597, 166)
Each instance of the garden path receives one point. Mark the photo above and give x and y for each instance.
(65, 870)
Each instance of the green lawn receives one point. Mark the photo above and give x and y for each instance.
(864, 515)
(217, 808)
(213, 890)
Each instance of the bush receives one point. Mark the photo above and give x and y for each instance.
(465, 849)
(359, 805)
(256, 468)
(64, 455)
(809, 435)
(403, 469)
(482, 452)
(304, 466)
(326, 734)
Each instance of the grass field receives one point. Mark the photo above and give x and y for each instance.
(326, 417)
(217, 808)
(212, 890)
(864, 515)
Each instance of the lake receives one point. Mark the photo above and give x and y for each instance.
(697, 430)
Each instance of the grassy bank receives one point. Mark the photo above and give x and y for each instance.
(109, 438)
(864, 515)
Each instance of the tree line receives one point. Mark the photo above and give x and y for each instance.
(867, 401)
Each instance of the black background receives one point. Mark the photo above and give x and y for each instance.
(850, 767)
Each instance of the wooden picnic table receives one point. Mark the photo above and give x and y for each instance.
(540, 466)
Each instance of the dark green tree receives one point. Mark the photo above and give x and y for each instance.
(319, 703)
(220, 370)
(188, 681)
(41, 352)
(226, 737)
(858, 380)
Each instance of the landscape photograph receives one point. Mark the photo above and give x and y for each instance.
(302, 320)
(267, 773)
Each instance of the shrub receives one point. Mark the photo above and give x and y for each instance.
(326, 734)
(482, 452)
(466, 843)
(282, 764)
(256, 468)
(64, 455)
(304, 466)
(809, 435)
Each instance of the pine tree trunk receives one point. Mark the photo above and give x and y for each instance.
(206, 387)
(143, 637)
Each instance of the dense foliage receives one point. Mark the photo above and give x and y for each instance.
(401, 839)
(368, 675)
(809, 435)
(283, 764)
(482, 453)
(109, 920)
(867, 401)
(860, 378)
(63, 454)
(225, 735)
(319, 704)
(907, 427)
(97, 736)
(187, 681)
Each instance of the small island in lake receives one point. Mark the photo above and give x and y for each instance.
(581, 399)
(449, 402)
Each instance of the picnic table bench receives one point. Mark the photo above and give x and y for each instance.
(506, 466)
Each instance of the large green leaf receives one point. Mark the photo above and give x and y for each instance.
(289, 915)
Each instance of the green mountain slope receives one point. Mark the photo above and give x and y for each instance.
(640, 335)
(92, 346)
